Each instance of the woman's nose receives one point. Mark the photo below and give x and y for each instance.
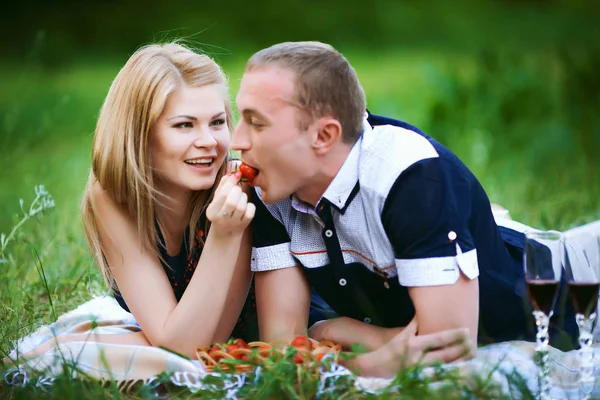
(204, 139)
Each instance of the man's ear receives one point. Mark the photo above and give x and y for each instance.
(329, 132)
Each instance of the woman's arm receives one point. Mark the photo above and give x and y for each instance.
(238, 289)
(242, 276)
(131, 339)
(193, 322)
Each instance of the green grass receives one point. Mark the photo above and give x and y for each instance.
(525, 123)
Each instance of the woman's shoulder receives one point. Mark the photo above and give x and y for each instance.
(104, 204)
(117, 228)
(100, 196)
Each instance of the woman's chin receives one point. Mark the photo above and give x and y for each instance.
(196, 187)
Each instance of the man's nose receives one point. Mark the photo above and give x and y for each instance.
(240, 140)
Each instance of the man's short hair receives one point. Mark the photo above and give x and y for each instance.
(326, 83)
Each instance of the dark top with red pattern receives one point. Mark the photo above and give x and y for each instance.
(179, 270)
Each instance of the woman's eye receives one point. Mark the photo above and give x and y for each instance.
(184, 125)
(218, 122)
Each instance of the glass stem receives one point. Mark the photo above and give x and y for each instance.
(542, 340)
(586, 352)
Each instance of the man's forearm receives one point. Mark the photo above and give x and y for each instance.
(347, 331)
(283, 301)
(281, 329)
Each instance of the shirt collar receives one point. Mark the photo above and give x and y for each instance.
(344, 186)
(301, 206)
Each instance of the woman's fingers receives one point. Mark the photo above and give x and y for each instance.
(227, 183)
(230, 209)
(240, 207)
(226, 180)
(250, 211)
(232, 199)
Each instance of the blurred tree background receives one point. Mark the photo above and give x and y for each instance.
(511, 86)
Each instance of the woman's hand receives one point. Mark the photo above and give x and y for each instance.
(230, 211)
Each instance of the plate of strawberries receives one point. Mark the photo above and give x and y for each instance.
(242, 356)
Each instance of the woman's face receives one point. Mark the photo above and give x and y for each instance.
(190, 139)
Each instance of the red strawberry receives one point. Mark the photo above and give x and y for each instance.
(241, 343)
(299, 358)
(248, 172)
(302, 342)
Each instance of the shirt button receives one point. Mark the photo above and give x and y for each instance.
(328, 233)
(367, 320)
(343, 282)
(452, 236)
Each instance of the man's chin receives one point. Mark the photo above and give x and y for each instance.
(271, 198)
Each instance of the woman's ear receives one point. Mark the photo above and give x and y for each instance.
(329, 132)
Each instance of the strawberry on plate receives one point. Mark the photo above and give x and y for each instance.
(302, 342)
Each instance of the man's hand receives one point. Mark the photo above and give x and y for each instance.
(407, 349)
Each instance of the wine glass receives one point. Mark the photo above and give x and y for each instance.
(582, 264)
(544, 253)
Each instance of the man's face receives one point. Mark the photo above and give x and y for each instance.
(269, 136)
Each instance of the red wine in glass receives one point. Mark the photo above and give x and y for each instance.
(543, 294)
(584, 296)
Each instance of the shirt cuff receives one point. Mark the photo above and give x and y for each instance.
(437, 270)
(269, 258)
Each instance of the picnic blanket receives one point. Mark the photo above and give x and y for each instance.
(128, 364)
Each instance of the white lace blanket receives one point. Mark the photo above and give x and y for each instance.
(128, 364)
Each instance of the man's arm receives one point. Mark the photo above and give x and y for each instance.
(427, 219)
(283, 301)
(448, 306)
(347, 331)
(407, 349)
(282, 291)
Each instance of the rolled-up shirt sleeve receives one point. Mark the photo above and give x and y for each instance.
(271, 242)
(426, 217)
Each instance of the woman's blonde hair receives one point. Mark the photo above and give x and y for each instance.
(121, 161)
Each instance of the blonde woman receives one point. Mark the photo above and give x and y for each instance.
(163, 213)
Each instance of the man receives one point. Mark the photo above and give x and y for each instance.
(387, 225)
